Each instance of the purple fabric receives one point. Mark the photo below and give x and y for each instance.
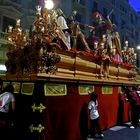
(117, 58)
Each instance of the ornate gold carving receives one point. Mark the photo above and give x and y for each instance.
(39, 129)
(52, 89)
(40, 108)
(27, 56)
(38, 54)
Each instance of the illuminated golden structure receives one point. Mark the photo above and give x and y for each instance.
(46, 54)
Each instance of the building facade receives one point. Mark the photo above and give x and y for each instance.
(10, 11)
(121, 14)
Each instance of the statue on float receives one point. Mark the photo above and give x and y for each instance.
(27, 53)
(129, 55)
(108, 40)
(62, 23)
(51, 31)
(78, 39)
(105, 29)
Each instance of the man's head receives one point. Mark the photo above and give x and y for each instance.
(9, 88)
(93, 96)
(59, 12)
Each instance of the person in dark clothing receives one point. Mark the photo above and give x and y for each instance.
(134, 100)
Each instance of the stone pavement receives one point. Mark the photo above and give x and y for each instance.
(122, 132)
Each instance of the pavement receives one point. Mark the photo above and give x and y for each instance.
(120, 132)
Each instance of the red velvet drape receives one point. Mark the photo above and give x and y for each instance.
(64, 112)
(65, 117)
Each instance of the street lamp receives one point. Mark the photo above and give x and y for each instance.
(138, 47)
(138, 57)
(49, 4)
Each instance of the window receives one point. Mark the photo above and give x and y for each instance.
(113, 2)
(123, 9)
(95, 6)
(78, 17)
(136, 19)
(73, 1)
(113, 19)
(132, 34)
(82, 2)
(136, 35)
(131, 18)
(123, 24)
(6, 22)
(32, 4)
(17, 1)
(105, 12)
(123, 40)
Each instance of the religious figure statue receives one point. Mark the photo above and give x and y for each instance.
(62, 24)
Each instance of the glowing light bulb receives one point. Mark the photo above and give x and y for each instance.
(49, 4)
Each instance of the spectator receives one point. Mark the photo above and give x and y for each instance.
(94, 116)
(135, 105)
(7, 108)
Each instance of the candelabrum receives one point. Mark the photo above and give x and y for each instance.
(129, 55)
(24, 54)
(17, 38)
(44, 26)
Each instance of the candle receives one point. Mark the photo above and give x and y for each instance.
(132, 50)
(95, 45)
(48, 18)
(10, 29)
(18, 22)
(135, 56)
(102, 45)
(20, 30)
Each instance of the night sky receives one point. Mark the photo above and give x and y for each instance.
(135, 4)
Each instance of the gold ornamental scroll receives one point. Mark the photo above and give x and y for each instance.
(52, 89)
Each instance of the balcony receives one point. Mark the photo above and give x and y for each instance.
(3, 49)
(3, 37)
